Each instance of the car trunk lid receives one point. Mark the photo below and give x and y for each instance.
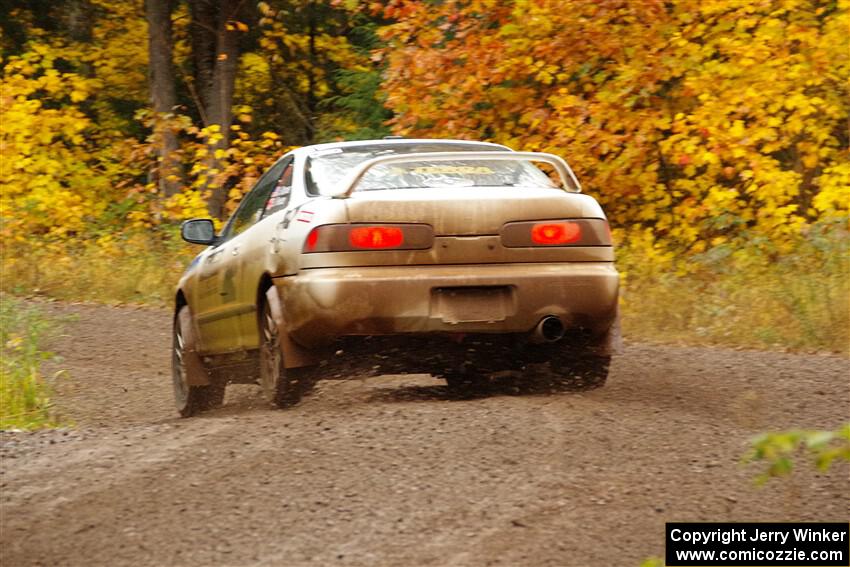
(466, 211)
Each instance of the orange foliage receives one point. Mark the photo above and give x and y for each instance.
(696, 121)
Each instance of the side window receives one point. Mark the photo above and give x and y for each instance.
(279, 198)
(251, 208)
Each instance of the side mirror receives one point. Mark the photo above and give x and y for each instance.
(198, 231)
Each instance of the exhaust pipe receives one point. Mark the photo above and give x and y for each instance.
(549, 330)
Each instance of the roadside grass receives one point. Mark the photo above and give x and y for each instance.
(750, 297)
(24, 391)
(113, 270)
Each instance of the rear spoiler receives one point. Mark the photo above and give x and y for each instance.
(568, 179)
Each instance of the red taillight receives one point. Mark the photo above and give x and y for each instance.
(362, 237)
(312, 239)
(376, 237)
(555, 233)
(561, 232)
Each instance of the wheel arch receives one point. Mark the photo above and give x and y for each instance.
(179, 301)
(198, 373)
(263, 287)
(294, 355)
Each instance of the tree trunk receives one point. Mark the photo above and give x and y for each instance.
(163, 95)
(311, 72)
(202, 34)
(215, 43)
(79, 19)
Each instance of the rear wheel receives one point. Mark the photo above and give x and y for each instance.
(282, 386)
(187, 367)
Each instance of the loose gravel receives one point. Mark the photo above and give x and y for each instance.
(399, 470)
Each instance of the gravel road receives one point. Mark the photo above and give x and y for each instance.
(397, 470)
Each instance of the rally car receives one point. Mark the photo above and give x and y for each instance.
(496, 253)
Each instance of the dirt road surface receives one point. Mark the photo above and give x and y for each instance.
(396, 470)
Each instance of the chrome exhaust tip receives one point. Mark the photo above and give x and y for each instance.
(550, 329)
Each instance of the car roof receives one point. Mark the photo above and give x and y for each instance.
(396, 142)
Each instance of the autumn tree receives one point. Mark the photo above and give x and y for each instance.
(694, 121)
(279, 62)
(178, 105)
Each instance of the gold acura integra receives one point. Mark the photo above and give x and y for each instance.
(465, 250)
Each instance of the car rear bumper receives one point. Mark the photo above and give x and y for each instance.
(321, 305)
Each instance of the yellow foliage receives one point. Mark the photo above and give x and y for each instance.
(834, 195)
(51, 179)
(64, 174)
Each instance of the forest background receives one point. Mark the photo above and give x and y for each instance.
(714, 132)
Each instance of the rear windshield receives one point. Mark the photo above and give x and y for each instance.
(327, 170)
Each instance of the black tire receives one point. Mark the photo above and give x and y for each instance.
(185, 362)
(282, 387)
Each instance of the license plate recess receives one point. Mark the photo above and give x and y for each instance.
(488, 304)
